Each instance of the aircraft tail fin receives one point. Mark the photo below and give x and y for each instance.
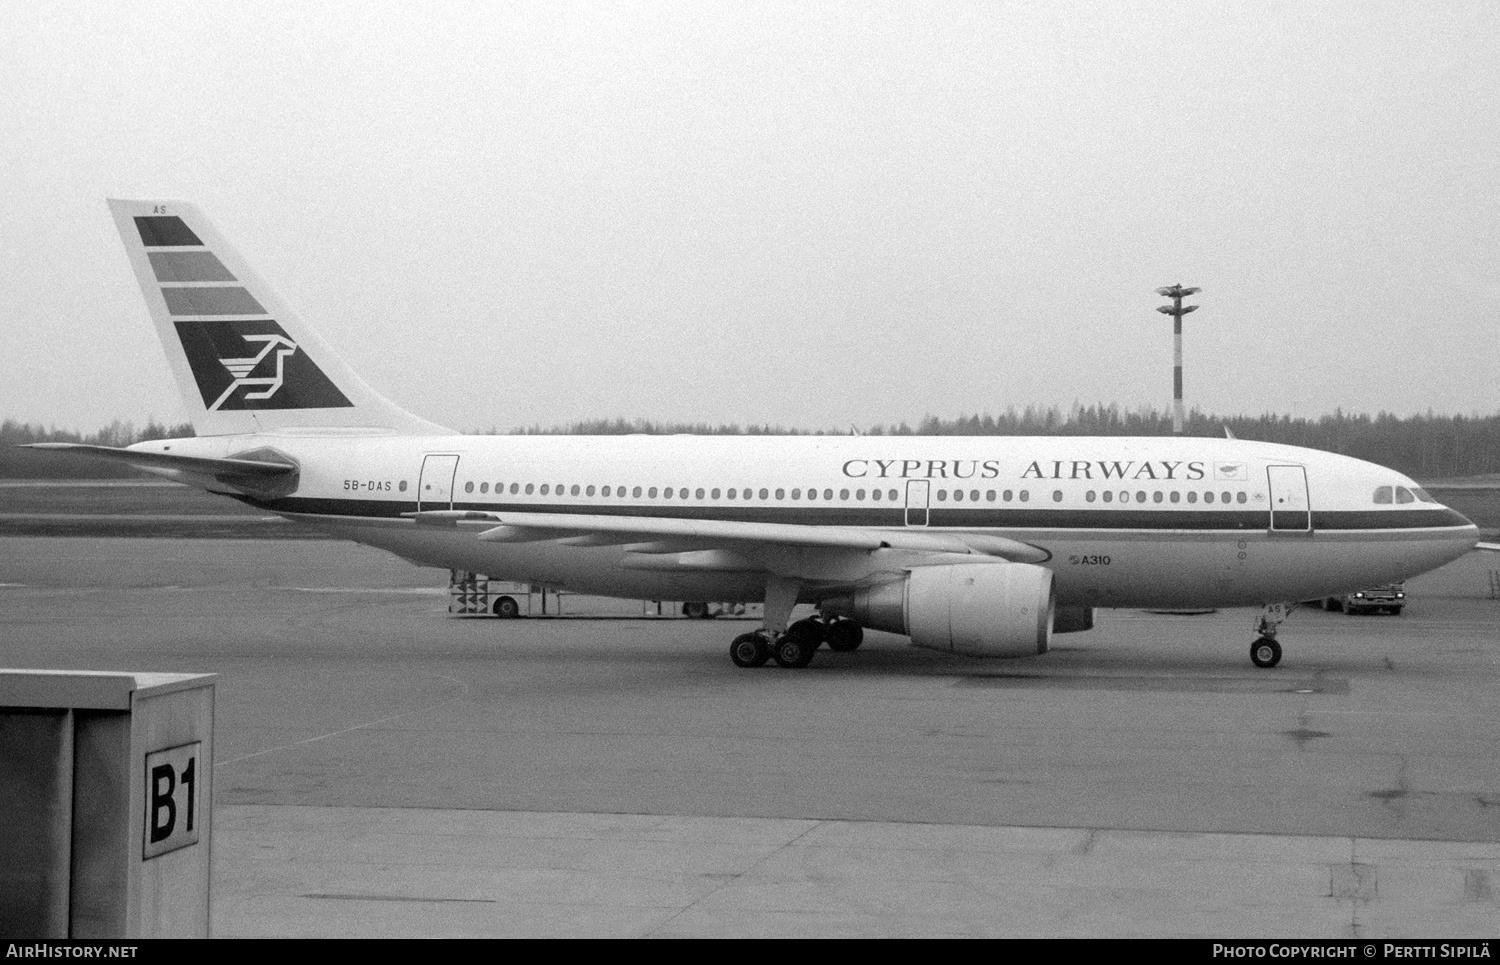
(243, 360)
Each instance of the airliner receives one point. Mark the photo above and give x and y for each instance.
(980, 546)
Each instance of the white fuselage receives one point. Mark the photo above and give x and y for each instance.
(1126, 522)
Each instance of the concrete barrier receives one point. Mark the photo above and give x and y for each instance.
(106, 784)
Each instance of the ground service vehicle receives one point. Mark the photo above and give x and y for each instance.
(1390, 597)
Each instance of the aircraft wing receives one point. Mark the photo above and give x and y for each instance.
(665, 543)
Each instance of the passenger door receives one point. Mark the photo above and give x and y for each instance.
(435, 488)
(1290, 511)
(916, 501)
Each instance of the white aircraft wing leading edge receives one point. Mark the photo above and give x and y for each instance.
(588, 530)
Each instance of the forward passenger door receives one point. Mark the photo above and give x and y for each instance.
(1290, 511)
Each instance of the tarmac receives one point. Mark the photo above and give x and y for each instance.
(384, 769)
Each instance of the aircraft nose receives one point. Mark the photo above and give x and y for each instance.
(1453, 517)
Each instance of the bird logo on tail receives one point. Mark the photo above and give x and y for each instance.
(241, 368)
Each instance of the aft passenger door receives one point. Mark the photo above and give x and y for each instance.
(916, 501)
(1290, 512)
(435, 488)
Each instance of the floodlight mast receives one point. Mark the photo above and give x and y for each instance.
(1177, 293)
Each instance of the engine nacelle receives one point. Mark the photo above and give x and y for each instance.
(980, 610)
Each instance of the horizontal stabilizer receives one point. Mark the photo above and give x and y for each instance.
(248, 474)
(1488, 547)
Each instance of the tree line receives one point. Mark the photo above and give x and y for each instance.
(1424, 446)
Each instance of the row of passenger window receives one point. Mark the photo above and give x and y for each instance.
(1107, 496)
(669, 492)
(1384, 495)
(827, 495)
(1174, 496)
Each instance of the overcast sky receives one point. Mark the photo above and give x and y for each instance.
(808, 214)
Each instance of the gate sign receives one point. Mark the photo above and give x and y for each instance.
(172, 799)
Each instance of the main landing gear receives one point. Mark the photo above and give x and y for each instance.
(791, 645)
(1265, 651)
(795, 646)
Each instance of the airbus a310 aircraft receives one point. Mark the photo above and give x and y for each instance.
(978, 546)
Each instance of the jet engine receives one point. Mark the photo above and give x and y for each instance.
(980, 610)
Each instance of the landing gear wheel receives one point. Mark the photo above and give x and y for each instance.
(507, 608)
(794, 652)
(796, 647)
(695, 610)
(843, 635)
(1265, 652)
(749, 650)
(812, 630)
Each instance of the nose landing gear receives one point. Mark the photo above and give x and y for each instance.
(1265, 651)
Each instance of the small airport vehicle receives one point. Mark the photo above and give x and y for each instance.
(1390, 597)
(698, 610)
(474, 594)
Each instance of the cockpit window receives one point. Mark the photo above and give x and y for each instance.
(1403, 495)
(1423, 495)
(1383, 495)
